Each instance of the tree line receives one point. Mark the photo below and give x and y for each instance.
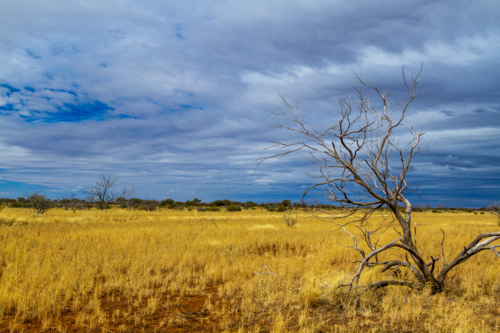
(40, 203)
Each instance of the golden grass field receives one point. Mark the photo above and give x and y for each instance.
(186, 271)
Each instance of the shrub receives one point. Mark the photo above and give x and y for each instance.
(281, 209)
(214, 209)
(16, 205)
(233, 208)
(201, 209)
(435, 211)
(38, 202)
(482, 213)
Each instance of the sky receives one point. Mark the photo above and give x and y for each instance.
(174, 96)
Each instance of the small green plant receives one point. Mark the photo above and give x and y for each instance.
(435, 211)
(214, 209)
(16, 205)
(482, 213)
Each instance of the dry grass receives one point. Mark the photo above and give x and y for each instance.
(172, 271)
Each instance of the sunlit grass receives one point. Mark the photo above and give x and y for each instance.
(195, 270)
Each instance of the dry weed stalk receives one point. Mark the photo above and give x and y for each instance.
(290, 218)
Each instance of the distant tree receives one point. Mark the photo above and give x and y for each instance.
(134, 203)
(105, 191)
(150, 205)
(122, 202)
(88, 203)
(298, 205)
(39, 203)
(72, 202)
(220, 203)
(249, 204)
(194, 202)
(233, 208)
(281, 209)
(167, 202)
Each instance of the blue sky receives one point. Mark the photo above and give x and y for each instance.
(174, 96)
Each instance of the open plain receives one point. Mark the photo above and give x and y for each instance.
(187, 271)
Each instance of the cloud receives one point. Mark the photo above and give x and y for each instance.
(174, 96)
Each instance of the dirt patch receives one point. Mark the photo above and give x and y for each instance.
(121, 313)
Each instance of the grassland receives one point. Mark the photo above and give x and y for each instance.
(181, 271)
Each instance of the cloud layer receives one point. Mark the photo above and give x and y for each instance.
(173, 96)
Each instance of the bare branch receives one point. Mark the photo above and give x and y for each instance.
(383, 284)
(266, 273)
(442, 248)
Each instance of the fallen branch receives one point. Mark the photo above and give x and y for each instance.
(267, 273)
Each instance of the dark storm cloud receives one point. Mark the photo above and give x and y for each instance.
(174, 95)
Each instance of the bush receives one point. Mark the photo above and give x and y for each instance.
(16, 205)
(482, 213)
(167, 202)
(201, 209)
(233, 208)
(435, 211)
(38, 202)
(281, 209)
(214, 209)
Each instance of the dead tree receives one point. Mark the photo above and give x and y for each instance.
(105, 191)
(363, 168)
